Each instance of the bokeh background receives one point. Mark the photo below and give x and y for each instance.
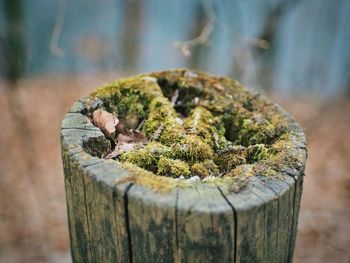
(52, 52)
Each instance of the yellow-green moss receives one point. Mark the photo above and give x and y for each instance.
(258, 152)
(205, 169)
(232, 157)
(201, 123)
(215, 130)
(175, 168)
(146, 157)
(140, 176)
(192, 149)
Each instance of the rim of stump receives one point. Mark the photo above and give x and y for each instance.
(77, 132)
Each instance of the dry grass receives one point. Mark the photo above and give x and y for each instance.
(33, 225)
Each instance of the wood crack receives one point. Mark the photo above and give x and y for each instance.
(278, 216)
(291, 245)
(176, 221)
(127, 223)
(235, 222)
(91, 164)
(114, 198)
(87, 217)
(80, 128)
(291, 226)
(264, 204)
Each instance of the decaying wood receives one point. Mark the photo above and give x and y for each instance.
(125, 222)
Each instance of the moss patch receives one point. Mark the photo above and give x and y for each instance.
(197, 125)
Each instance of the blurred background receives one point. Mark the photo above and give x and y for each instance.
(52, 52)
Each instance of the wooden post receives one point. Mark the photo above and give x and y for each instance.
(128, 222)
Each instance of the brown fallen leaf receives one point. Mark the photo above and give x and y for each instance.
(126, 135)
(121, 147)
(112, 128)
(126, 143)
(106, 122)
(138, 137)
(121, 129)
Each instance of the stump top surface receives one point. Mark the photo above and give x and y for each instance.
(267, 178)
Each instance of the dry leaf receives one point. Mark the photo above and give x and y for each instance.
(106, 122)
(126, 143)
(112, 128)
(120, 148)
(174, 98)
(124, 138)
(121, 129)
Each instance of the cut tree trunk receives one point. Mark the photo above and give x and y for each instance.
(127, 222)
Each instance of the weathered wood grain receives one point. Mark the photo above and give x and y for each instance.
(125, 222)
(205, 226)
(249, 212)
(100, 198)
(152, 224)
(270, 227)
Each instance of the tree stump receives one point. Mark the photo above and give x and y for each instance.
(114, 217)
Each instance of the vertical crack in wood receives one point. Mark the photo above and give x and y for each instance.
(264, 219)
(114, 199)
(235, 222)
(290, 227)
(87, 217)
(278, 217)
(127, 223)
(176, 221)
(290, 249)
(68, 201)
(211, 228)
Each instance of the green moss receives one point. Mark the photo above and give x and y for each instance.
(205, 169)
(192, 149)
(174, 168)
(140, 176)
(146, 157)
(201, 123)
(231, 157)
(162, 117)
(259, 152)
(143, 84)
(215, 129)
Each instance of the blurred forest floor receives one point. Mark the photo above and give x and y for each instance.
(33, 225)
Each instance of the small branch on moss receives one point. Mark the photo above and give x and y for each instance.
(174, 98)
(139, 127)
(195, 121)
(158, 132)
(204, 36)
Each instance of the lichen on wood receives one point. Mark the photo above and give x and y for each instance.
(197, 125)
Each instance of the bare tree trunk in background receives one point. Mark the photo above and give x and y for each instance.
(200, 33)
(269, 35)
(131, 34)
(13, 49)
(12, 45)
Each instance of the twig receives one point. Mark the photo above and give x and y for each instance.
(57, 29)
(174, 98)
(197, 116)
(158, 132)
(202, 38)
(139, 127)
